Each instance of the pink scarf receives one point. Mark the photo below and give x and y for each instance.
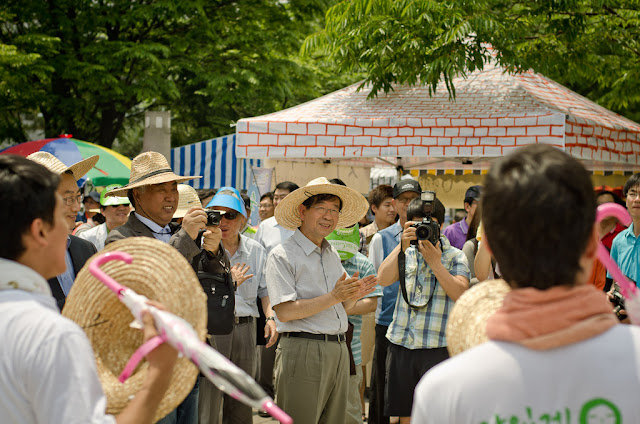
(546, 319)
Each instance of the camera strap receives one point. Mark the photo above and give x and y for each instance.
(403, 284)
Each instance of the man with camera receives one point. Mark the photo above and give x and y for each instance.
(382, 244)
(228, 211)
(432, 274)
(153, 192)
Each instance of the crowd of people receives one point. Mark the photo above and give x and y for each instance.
(305, 300)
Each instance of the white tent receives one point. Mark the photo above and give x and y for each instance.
(493, 113)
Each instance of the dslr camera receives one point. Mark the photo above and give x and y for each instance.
(428, 229)
(213, 218)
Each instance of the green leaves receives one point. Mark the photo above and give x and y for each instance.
(593, 47)
(92, 68)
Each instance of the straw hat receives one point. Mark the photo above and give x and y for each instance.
(55, 165)
(159, 272)
(146, 169)
(187, 200)
(467, 324)
(354, 204)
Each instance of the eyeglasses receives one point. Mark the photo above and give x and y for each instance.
(73, 199)
(633, 194)
(323, 210)
(405, 200)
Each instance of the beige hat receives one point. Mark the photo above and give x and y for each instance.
(162, 274)
(146, 169)
(188, 199)
(55, 165)
(354, 204)
(467, 324)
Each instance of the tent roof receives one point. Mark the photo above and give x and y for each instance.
(493, 113)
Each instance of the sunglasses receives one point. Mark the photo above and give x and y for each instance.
(229, 215)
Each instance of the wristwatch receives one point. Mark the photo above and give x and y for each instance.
(270, 319)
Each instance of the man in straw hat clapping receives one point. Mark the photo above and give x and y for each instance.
(48, 367)
(78, 250)
(310, 291)
(153, 192)
(554, 335)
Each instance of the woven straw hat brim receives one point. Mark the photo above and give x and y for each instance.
(187, 200)
(467, 324)
(354, 205)
(162, 274)
(155, 179)
(55, 165)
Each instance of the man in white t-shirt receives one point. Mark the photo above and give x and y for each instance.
(556, 352)
(47, 367)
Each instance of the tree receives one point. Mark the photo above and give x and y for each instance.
(92, 68)
(592, 47)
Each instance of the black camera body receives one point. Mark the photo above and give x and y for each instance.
(214, 218)
(428, 229)
(618, 303)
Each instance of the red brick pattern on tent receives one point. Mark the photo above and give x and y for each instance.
(492, 114)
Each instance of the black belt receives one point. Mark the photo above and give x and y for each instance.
(311, 336)
(243, 320)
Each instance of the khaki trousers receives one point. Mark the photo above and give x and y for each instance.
(240, 347)
(354, 406)
(312, 380)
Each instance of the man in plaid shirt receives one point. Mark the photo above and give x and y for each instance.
(435, 276)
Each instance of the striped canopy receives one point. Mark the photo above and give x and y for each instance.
(216, 161)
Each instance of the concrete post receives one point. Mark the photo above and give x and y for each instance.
(157, 133)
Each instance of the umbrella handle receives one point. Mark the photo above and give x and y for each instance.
(606, 210)
(277, 413)
(94, 268)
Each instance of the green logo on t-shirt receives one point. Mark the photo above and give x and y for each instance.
(595, 411)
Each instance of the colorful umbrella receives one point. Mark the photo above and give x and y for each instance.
(112, 168)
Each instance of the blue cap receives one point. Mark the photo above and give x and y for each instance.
(228, 197)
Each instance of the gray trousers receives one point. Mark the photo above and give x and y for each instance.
(312, 380)
(240, 348)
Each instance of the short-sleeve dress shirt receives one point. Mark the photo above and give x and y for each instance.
(270, 234)
(253, 254)
(299, 269)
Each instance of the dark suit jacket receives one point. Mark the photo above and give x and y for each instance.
(80, 250)
(180, 240)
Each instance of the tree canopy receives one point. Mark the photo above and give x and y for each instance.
(593, 47)
(92, 68)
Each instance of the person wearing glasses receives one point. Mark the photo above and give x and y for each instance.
(310, 292)
(247, 258)
(78, 250)
(625, 249)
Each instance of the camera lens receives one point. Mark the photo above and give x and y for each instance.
(423, 232)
